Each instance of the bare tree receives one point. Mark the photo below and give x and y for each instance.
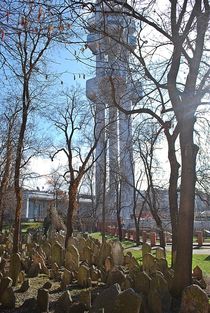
(29, 30)
(178, 82)
(9, 118)
(75, 122)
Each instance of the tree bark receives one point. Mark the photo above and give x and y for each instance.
(72, 207)
(183, 264)
(173, 196)
(17, 223)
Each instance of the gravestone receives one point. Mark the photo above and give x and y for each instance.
(7, 298)
(73, 241)
(142, 282)
(128, 301)
(108, 264)
(87, 255)
(43, 300)
(85, 297)
(63, 303)
(72, 258)
(105, 300)
(149, 263)
(6, 282)
(83, 276)
(15, 267)
(116, 276)
(117, 253)
(81, 245)
(146, 248)
(194, 299)
(159, 298)
(105, 251)
(47, 248)
(66, 278)
(95, 273)
(57, 254)
(160, 253)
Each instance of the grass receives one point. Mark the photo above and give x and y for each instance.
(30, 225)
(202, 260)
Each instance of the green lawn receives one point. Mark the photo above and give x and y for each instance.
(202, 260)
(30, 225)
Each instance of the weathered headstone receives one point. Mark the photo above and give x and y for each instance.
(105, 300)
(159, 298)
(149, 263)
(194, 299)
(43, 300)
(85, 297)
(63, 303)
(72, 258)
(66, 278)
(24, 286)
(142, 282)
(146, 248)
(105, 251)
(6, 282)
(116, 276)
(87, 255)
(128, 301)
(117, 253)
(108, 264)
(83, 276)
(160, 253)
(57, 254)
(7, 298)
(15, 268)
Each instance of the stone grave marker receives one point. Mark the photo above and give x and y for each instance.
(117, 253)
(57, 254)
(194, 299)
(15, 267)
(72, 258)
(128, 301)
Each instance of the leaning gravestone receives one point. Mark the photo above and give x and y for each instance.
(149, 263)
(141, 282)
(57, 254)
(15, 268)
(106, 300)
(194, 299)
(159, 298)
(117, 253)
(128, 301)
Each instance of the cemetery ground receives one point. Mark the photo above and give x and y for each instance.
(95, 277)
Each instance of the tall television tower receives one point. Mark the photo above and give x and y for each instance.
(111, 39)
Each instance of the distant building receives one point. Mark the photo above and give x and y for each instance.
(36, 203)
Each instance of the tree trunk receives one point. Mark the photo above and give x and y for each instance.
(183, 265)
(72, 207)
(137, 231)
(119, 225)
(173, 197)
(6, 174)
(17, 223)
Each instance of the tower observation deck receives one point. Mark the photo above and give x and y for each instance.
(111, 39)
